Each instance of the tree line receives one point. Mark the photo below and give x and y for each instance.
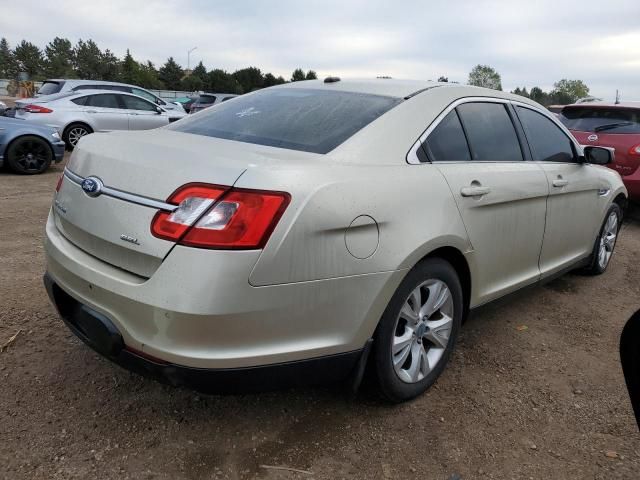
(85, 60)
(564, 91)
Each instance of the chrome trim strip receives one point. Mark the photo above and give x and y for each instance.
(125, 196)
(412, 156)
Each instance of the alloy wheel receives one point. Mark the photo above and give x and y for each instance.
(75, 134)
(422, 330)
(31, 155)
(608, 240)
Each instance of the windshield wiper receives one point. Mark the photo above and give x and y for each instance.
(610, 126)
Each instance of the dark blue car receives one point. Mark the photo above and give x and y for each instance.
(28, 148)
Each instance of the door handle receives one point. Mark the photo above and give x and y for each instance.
(559, 182)
(474, 191)
(92, 111)
(133, 113)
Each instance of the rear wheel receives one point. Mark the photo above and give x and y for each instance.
(606, 241)
(418, 330)
(73, 133)
(29, 155)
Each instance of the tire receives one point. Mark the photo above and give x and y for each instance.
(606, 241)
(402, 345)
(29, 155)
(74, 132)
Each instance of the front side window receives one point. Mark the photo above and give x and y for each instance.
(144, 94)
(135, 103)
(294, 118)
(490, 132)
(106, 100)
(548, 142)
(601, 119)
(447, 141)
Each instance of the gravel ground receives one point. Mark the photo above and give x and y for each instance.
(534, 391)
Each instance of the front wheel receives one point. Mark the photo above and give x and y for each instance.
(606, 241)
(73, 133)
(418, 330)
(29, 155)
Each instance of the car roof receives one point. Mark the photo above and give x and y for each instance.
(89, 91)
(89, 82)
(605, 105)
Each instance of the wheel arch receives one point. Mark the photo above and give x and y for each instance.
(28, 134)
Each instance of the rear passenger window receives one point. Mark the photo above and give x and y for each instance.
(490, 131)
(447, 141)
(80, 100)
(548, 142)
(106, 100)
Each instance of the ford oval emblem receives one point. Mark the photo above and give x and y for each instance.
(592, 138)
(92, 186)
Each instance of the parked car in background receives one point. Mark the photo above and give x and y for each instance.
(206, 100)
(27, 147)
(610, 125)
(300, 231)
(50, 87)
(76, 114)
(186, 102)
(3, 108)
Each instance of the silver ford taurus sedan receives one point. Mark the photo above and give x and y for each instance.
(304, 232)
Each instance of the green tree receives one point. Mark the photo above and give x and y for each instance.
(311, 75)
(485, 76)
(8, 67)
(29, 59)
(59, 59)
(249, 78)
(200, 72)
(192, 83)
(88, 60)
(148, 77)
(109, 66)
(568, 91)
(220, 81)
(130, 70)
(171, 74)
(298, 75)
(538, 95)
(443, 79)
(270, 80)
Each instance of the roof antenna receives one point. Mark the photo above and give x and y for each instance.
(617, 97)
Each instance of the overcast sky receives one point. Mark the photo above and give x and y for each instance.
(535, 42)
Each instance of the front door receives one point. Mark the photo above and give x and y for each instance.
(106, 112)
(143, 115)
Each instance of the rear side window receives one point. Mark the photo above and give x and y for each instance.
(548, 143)
(49, 88)
(447, 141)
(80, 100)
(601, 119)
(135, 103)
(294, 118)
(490, 132)
(206, 100)
(106, 100)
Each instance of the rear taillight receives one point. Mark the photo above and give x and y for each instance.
(59, 184)
(37, 109)
(212, 216)
(635, 150)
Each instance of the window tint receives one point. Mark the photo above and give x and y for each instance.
(205, 100)
(491, 134)
(601, 119)
(548, 143)
(227, 98)
(80, 100)
(294, 118)
(143, 94)
(136, 103)
(447, 141)
(49, 88)
(106, 100)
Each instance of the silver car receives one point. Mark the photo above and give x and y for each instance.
(78, 114)
(301, 232)
(59, 85)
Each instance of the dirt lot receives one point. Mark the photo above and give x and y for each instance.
(545, 401)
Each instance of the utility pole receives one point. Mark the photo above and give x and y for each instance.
(189, 58)
(617, 97)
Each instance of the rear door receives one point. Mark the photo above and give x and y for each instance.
(143, 115)
(106, 112)
(577, 196)
(501, 197)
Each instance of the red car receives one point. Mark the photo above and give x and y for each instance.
(610, 125)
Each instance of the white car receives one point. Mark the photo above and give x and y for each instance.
(59, 85)
(78, 114)
(301, 232)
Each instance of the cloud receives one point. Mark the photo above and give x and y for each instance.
(529, 43)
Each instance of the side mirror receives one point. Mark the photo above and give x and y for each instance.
(598, 155)
(159, 110)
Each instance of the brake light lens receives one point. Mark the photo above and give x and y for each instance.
(59, 184)
(635, 150)
(211, 216)
(37, 109)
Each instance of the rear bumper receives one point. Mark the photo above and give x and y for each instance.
(199, 311)
(99, 333)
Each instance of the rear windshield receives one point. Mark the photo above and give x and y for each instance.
(297, 119)
(601, 119)
(205, 100)
(49, 88)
